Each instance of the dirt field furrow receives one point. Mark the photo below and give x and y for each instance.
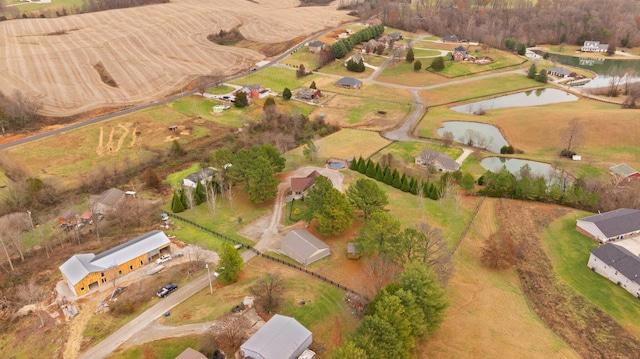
(150, 51)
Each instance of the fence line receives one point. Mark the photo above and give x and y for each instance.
(264, 255)
(475, 214)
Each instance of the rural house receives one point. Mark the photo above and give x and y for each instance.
(440, 161)
(304, 247)
(357, 58)
(610, 226)
(560, 72)
(68, 219)
(86, 272)
(281, 337)
(450, 38)
(349, 83)
(308, 94)
(460, 53)
(395, 36)
(371, 46)
(624, 172)
(316, 46)
(203, 176)
(594, 46)
(300, 185)
(618, 263)
(107, 200)
(254, 91)
(352, 251)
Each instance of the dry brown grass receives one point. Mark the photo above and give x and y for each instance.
(489, 316)
(151, 53)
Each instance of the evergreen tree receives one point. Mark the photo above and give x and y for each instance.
(176, 149)
(241, 100)
(371, 169)
(286, 93)
(410, 56)
(542, 76)
(522, 49)
(404, 183)
(397, 182)
(379, 176)
(413, 186)
(183, 199)
(313, 85)
(388, 176)
(423, 283)
(361, 161)
(467, 182)
(417, 66)
(438, 64)
(232, 262)
(176, 203)
(362, 167)
(354, 165)
(198, 195)
(267, 103)
(532, 71)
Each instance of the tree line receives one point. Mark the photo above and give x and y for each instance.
(344, 46)
(493, 21)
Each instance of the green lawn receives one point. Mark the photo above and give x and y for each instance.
(338, 68)
(419, 52)
(161, 349)
(276, 79)
(407, 151)
(175, 179)
(53, 6)
(220, 90)
(302, 57)
(569, 253)
(374, 60)
(501, 59)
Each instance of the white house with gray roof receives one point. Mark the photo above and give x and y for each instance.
(610, 226)
(438, 160)
(617, 262)
(281, 337)
(304, 247)
(87, 271)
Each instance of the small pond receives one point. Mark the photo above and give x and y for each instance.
(337, 165)
(483, 135)
(513, 165)
(522, 99)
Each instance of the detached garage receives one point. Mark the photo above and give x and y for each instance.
(304, 247)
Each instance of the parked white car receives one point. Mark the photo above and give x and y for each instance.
(164, 258)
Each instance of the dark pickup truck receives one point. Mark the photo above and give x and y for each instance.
(166, 289)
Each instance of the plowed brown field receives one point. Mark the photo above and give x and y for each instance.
(150, 51)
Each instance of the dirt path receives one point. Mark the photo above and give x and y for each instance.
(76, 328)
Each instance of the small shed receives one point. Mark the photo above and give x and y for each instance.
(352, 251)
(304, 247)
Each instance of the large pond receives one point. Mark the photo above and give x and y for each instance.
(604, 68)
(480, 134)
(522, 99)
(513, 165)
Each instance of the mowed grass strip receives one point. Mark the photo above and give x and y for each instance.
(348, 143)
(569, 253)
(165, 348)
(276, 79)
(489, 315)
(302, 57)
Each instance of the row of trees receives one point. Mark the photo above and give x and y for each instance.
(402, 313)
(393, 178)
(18, 111)
(344, 46)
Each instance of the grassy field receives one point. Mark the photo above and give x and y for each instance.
(345, 110)
(161, 349)
(405, 152)
(402, 73)
(569, 253)
(220, 90)
(501, 59)
(302, 57)
(489, 316)
(338, 68)
(419, 53)
(346, 143)
(371, 91)
(276, 79)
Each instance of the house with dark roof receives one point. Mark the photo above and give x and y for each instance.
(308, 94)
(68, 219)
(203, 176)
(316, 46)
(281, 337)
(610, 226)
(594, 46)
(349, 83)
(396, 36)
(304, 247)
(624, 173)
(300, 185)
(107, 200)
(450, 38)
(560, 72)
(617, 263)
(440, 161)
(86, 272)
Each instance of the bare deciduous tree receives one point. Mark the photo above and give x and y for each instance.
(378, 272)
(573, 135)
(6, 252)
(436, 252)
(31, 294)
(268, 291)
(230, 332)
(447, 138)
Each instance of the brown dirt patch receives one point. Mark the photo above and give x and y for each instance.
(58, 70)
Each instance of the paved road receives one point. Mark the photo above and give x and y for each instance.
(112, 342)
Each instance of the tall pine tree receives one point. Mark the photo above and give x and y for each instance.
(176, 203)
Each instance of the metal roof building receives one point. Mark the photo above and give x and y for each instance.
(304, 247)
(617, 224)
(88, 271)
(618, 264)
(281, 337)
